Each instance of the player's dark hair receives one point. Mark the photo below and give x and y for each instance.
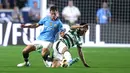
(86, 26)
(83, 23)
(53, 8)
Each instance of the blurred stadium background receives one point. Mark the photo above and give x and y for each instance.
(117, 33)
(115, 59)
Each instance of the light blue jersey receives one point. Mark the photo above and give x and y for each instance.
(50, 29)
(103, 15)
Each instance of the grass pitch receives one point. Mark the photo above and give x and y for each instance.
(101, 60)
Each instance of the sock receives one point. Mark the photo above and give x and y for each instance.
(67, 56)
(73, 61)
(45, 57)
(25, 55)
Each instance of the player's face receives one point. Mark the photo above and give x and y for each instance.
(82, 31)
(62, 34)
(53, 14)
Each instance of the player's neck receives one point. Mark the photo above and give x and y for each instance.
(53, 19)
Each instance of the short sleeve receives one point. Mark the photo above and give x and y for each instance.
(42, 21)
(60, 28)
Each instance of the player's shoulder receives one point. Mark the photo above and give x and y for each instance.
(45, 18)
(100, 9)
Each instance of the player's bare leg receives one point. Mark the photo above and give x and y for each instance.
(25, 53)
(46, 59)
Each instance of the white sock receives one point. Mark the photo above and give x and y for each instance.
(67, 56)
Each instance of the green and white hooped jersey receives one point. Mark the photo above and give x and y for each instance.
(71, 38)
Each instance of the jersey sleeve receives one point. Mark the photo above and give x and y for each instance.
(60, 28)
(42, 21)
(79, 44)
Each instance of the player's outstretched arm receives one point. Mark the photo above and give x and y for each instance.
(75, 26)
(82, 25)
(29, 26)
(82, 56)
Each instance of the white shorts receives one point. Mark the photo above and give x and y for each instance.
(57, 48)
(42, 44)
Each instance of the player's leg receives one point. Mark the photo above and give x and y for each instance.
(25, 53)
(61, 52)
(57, 56)
(67, 55)
(56, 63)
(62, 55)
(45, 52)
(69, 60)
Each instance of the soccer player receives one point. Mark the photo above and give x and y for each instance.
(62, 56)
(52, 25)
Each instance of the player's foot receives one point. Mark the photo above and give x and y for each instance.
(47, 63)
(86, 65)
(73, 61)
(26, 64)
(64, 63)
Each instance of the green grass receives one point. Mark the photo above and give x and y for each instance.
(101, 60)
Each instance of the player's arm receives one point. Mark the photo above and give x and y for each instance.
(109, 19)
(109, 16)
(82, 56)
(97, 19)
(97, 16)
(30, 26)
(77, 26)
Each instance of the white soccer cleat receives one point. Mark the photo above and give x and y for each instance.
(47, 63)
(26, 64)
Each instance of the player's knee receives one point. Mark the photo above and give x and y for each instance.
(67, 56)
(29, 48)
(64, 50)
(44, 50)
(24, 51)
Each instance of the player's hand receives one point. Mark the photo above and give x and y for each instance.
(86, 65)
(22, 25)
(82, 26)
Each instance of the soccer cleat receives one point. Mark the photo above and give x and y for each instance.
(73, 61)
(26, 64)
(47, 63)
(64, 63)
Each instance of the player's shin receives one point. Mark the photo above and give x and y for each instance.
(25, 56)
(47, 60)
(69, 59)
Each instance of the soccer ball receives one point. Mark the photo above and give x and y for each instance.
(64, 63)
